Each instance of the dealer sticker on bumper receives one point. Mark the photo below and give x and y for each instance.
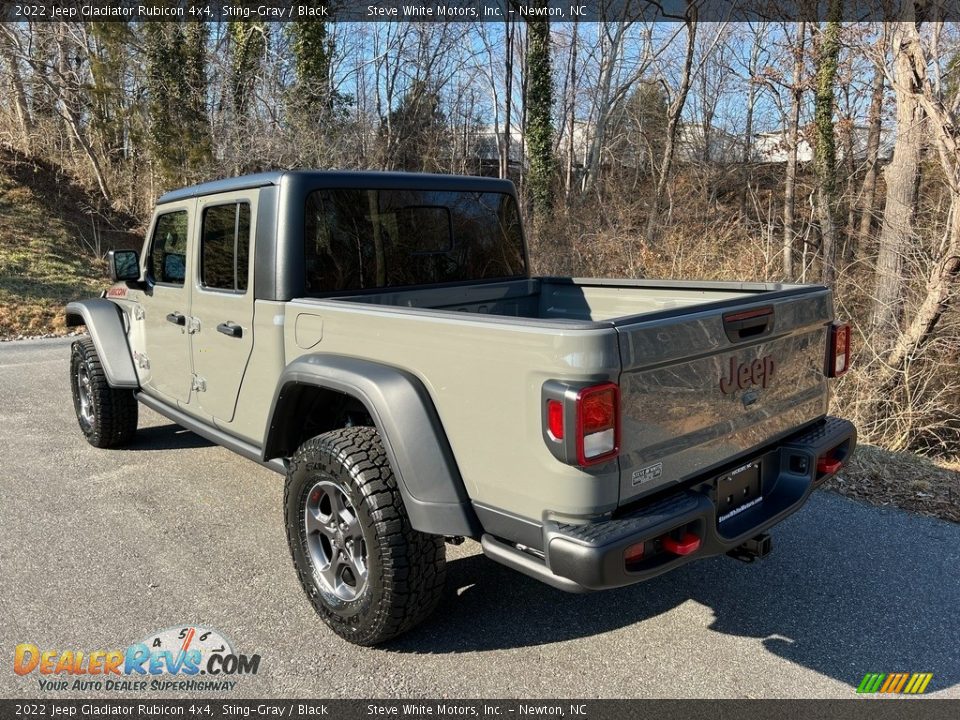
(644, 475)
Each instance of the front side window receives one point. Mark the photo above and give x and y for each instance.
(225, 247)
(168, 248)
(363, 239)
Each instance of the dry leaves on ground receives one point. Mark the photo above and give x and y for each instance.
(914, 483)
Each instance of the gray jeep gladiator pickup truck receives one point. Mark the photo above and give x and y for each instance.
(379, 340)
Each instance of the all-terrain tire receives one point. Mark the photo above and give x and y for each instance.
(405, 569)
(107, 416)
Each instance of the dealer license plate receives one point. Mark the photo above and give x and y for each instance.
(738, 491)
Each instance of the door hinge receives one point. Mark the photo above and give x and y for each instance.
(199, 384)
(193, 325)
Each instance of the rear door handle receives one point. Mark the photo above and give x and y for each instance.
(230, 328)
(176, 318)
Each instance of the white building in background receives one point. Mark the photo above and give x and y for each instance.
(696, 143)
(771, 147)
(482, 142)
(702, 143)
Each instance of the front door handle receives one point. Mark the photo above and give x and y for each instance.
(176, 318)
(230, 328)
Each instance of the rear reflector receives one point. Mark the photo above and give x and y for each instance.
(633, 554)
(687, 544)
(555, 418)
(828, 465)
(838, 350)
(598, 423)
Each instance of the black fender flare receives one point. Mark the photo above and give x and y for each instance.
(105, 325)
(433, 491)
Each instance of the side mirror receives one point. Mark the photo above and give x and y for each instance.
(124, 265)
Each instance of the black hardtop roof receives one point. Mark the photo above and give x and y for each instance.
(344, 179)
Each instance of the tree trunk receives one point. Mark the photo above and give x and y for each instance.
(940, 292)
(508, 99)
(793, 139)
(747, 156)
(709, 110)
(850, 169)
(539, 130)
(902, 180)
(20, 104)
(826, 156)
(936, 116)
(608, 63)
(673, 124)
(868, 193)
(572, 112)
(522, 46)
(67, 90)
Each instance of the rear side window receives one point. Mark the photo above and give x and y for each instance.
(225, 247)
(168, 248)
(363, 239)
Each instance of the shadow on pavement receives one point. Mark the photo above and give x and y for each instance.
(848, 590)
(166, 437)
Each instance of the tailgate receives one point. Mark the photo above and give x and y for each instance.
(714, 384)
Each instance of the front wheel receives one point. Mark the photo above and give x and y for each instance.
(368, 573)
(107, 416)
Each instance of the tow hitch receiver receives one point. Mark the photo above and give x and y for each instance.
(756, 547)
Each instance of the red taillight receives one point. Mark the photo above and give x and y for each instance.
(598, 423)
(555, 418)
(838, 353)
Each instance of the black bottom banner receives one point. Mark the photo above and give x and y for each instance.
(865, 709)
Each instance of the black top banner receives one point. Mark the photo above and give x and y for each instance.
(476, 10)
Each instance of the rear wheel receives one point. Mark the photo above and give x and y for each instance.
(107, 416)
(368, 573)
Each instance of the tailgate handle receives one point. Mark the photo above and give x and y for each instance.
(748, 324)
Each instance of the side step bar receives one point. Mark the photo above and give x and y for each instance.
(527, 564)
(214, 435)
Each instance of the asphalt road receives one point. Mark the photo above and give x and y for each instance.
(98, 549)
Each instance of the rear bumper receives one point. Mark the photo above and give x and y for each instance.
(591, 556)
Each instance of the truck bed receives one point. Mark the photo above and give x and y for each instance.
(484, 351)
(582, 301)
